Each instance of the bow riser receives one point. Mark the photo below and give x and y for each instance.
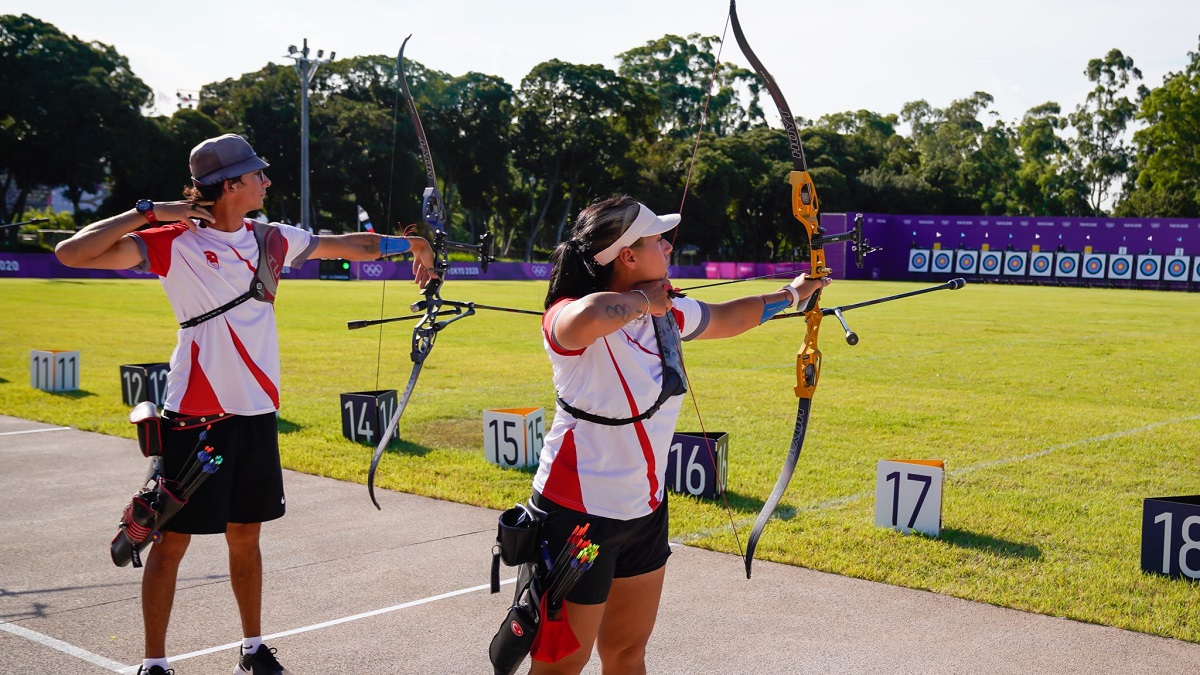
(808, 359)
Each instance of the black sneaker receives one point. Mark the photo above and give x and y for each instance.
(261, 662)
(154, 670)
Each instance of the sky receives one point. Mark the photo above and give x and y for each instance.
(831, 56)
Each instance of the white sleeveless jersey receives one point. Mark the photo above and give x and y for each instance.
(612, 471)
(230, 363)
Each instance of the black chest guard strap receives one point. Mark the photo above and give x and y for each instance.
(666, 331)
(271, 248)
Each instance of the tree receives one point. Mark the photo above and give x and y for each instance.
(1046, 185)
(1099, 151)
(1167, 169)
(680, 73)
(950, 144)
(576, 127)
(65, 102)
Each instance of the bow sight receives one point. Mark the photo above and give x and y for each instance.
(862, 246)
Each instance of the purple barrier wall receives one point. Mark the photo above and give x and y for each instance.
(46, 266)
(897, 234)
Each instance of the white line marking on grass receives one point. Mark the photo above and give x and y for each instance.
(327, 624)
(785, 514)
(1072, 444)
(61, 646)
(32, 431)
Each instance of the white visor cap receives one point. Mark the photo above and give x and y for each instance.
(644, 225)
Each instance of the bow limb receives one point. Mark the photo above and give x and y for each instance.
(425, 332)
(808, 359)
(392, 428)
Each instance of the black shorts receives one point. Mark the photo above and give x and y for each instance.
(628, 548)
(248, 485)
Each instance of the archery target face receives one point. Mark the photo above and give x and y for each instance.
(1149, 267)
(1041, 264)
(1093, 265)
(966, 262)
(1176, 268)
(943, 261)
(1120, 267)
(1067, 265)
(918, 260)
(990, 262)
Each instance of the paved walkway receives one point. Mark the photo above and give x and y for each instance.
(349, 589)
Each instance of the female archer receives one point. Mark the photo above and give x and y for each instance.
(613, 333)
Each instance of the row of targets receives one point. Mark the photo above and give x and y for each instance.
(1057, 264)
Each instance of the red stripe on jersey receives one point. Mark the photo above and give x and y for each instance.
(199, 398)
(259, 376)
(249, 266)
(158, 242)
(562, 485)
(640, 430)
(678, 318)
(635, 343)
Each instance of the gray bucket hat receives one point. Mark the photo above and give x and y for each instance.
(222, 158)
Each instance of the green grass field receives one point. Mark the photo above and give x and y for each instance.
(1057, 411)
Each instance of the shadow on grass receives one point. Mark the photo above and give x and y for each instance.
(287, 426)
(402, 447)
(73, 395)
(983, 542)
(3, 380)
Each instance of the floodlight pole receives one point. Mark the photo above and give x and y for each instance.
(306, 68)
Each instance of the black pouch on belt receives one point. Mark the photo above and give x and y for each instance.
(516, 539)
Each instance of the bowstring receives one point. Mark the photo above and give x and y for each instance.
(708, 444)
(712, 80)
(387, 222)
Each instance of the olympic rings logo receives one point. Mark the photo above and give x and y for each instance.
(371, 269)
(540, 271)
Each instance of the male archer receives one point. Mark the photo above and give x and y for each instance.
(220, 270)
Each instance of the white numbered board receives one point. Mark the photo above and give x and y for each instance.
(908, 496)
(53, 370)
(513, 437)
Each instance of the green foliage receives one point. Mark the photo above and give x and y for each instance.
(47, 137)
(1167, 169)
(522, 161)
(55, 220)
(1100, 152)
(680, 73)
(1051, 440)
